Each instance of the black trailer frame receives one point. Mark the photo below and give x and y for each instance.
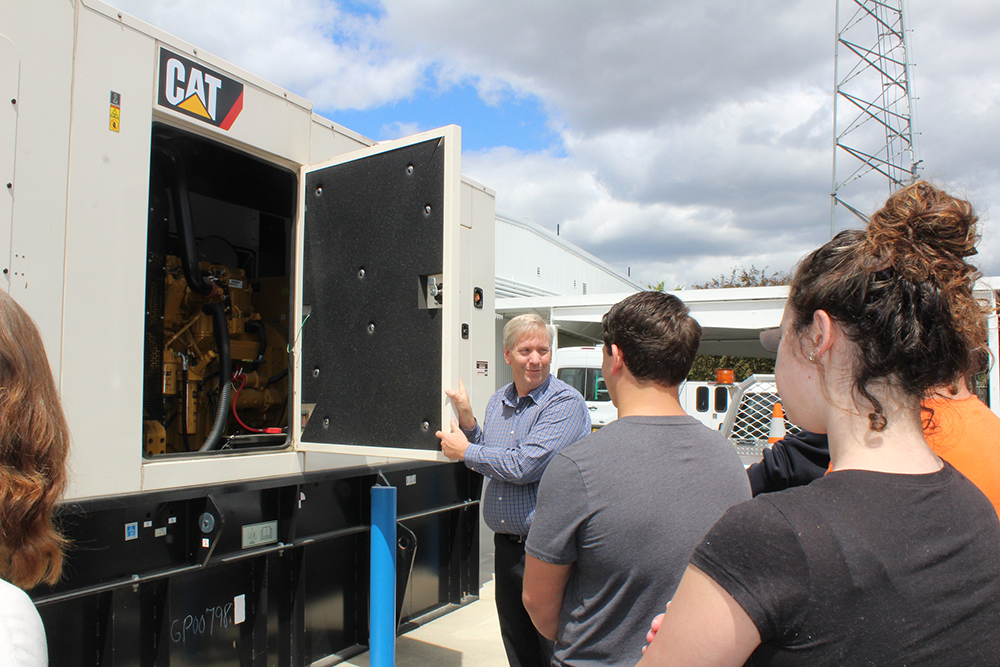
(171, 596)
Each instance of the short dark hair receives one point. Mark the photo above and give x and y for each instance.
(657, 336)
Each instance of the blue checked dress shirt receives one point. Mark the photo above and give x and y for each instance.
(516, 441)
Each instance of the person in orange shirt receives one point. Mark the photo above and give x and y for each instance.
(966, 434)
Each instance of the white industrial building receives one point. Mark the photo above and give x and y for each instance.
(532, 264)
(532, 261)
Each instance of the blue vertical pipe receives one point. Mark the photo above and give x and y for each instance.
(382, 603)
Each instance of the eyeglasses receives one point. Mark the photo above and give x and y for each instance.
(770, 339)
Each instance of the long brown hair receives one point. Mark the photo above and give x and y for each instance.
(34, 441)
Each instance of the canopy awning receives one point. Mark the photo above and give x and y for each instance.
(731, 319)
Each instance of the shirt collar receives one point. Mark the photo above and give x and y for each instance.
(512, 399)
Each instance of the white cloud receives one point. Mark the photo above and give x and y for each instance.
(397, 130)
(692, 242)
(630, 63)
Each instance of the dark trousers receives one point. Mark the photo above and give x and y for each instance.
(524, 646)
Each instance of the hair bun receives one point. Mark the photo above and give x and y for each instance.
(923, 232)
(924, 235)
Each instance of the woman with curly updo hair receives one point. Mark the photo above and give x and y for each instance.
(34, 441)
(893, 558)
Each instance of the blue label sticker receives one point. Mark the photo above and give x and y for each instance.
(132, 530)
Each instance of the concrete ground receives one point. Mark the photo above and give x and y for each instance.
(466, 637)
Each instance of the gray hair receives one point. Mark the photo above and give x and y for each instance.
(514, 330)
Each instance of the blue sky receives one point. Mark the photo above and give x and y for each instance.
(519, 123)
(677, 138)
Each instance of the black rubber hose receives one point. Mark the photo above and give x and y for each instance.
(221, 327)
(253, 325)
(180, 204)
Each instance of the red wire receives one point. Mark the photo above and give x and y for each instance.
(243, 383)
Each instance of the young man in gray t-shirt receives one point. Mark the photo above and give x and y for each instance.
(620, 512)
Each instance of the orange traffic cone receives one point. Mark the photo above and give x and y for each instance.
(777, 430)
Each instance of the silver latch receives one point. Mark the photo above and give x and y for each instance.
(435, 291)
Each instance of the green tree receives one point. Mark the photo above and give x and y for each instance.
(705, 365)
(742, 277)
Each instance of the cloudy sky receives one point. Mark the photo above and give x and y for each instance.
(676, 138)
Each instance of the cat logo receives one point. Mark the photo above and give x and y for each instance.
(196, 91)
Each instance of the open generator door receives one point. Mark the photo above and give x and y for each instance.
(376, 285)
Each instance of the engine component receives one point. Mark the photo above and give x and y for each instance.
(207, 338)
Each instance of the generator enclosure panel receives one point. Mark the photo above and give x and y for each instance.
(376, 321)
(252, 314)
(181, 230)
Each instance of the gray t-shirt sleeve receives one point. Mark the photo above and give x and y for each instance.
(561, 509)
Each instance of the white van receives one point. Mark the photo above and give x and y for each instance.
(580, 367)
(708, 402)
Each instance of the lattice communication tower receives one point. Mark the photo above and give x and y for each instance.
(873, 147)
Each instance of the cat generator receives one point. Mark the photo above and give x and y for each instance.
(251, 313)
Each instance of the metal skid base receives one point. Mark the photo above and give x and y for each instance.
(262, 573)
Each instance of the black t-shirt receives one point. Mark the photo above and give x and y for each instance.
(865, 568)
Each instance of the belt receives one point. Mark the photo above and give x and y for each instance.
(516, 539)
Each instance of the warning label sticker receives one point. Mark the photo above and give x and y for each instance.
(114, 122)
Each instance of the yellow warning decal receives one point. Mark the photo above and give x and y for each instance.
(114, 123)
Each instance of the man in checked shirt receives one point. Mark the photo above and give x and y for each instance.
(526, 423)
